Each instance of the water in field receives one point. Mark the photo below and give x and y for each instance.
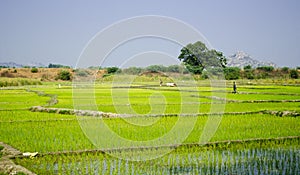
(226, 161)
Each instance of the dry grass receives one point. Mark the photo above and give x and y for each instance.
(43, 74)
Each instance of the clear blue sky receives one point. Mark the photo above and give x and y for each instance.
(57, 31)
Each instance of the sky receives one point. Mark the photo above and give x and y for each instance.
(58, 31)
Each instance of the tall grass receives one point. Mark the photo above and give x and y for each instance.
(5, 82)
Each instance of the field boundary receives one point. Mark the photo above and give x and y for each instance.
(7, 165)
(67, 111)
(276, 113)
(174, 146)
(53, 97)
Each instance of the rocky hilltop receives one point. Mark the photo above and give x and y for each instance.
(242, 59)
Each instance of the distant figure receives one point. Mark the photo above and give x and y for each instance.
(59, 86)
(171, 84)
(234, 88)
(160, 82)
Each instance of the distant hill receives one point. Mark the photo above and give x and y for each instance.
(242, 59)
(10, 64)
(16, 65)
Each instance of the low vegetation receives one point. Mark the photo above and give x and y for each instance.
(34, 70)
(229, 73)
(64, 75)
(5, 82)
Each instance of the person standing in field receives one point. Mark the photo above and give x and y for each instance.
(234, 87)
(160, 82)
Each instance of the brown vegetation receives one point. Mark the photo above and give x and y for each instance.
(43, 74)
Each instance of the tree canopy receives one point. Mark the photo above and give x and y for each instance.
(197, 56)
(112, 70)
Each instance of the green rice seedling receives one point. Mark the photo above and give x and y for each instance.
(284, 158)
(20, 99)
(51, 132)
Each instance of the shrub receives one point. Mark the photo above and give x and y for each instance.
(64, 75)
(247, 67)
(285, 69)
(81, 73)
(57, 66)
(194, 69)
(266, 68)
(232, 73)
(112, 70)
(204, 75)
(294, 74)
(249, 74)
(173, 68)
(132, 70)
(156, 68)
(34, 70)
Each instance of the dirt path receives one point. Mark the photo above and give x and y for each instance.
(7, 166)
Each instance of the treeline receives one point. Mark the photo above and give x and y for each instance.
(140, 70)
(229, 73)
(156, 68)
(57, 66)
(264, 72)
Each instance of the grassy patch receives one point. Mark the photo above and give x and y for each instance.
(5, 82)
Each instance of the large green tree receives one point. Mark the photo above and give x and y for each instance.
(197, 56)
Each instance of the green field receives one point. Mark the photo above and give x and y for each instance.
(247, 140)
